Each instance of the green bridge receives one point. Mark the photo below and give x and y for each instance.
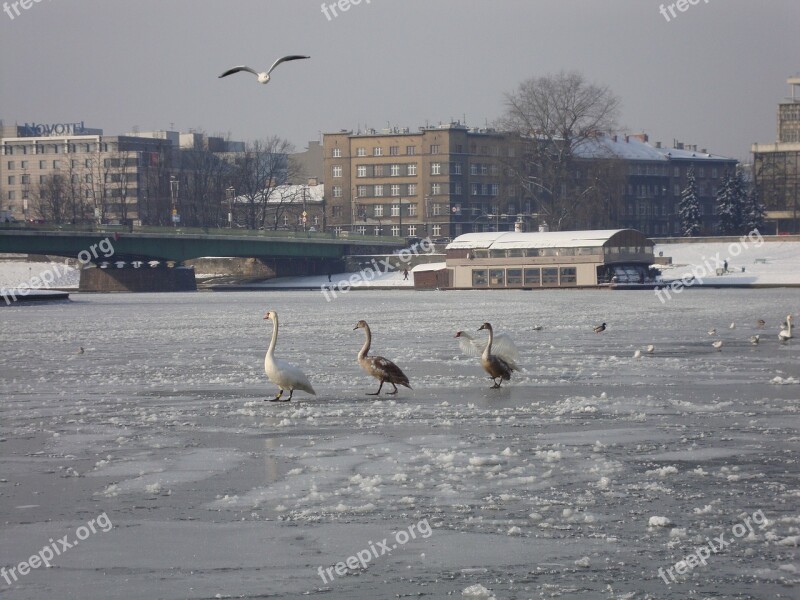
(165, 244)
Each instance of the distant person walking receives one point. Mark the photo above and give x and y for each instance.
(405, 274)
(725, 265)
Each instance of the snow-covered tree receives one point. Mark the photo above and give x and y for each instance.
(689, 208)
(755, 211)
(731, 204)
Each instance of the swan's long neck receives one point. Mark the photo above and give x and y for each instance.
(273, 342)
(367, 342)
(488, 350)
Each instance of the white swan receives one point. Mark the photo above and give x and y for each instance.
(717, 345)
(281, 373)
(786, 334)
(651, 348)
(502, 347)
(264, 76)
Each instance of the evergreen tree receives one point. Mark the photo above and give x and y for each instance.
(689, 208)
(755, 212)
(732, 204)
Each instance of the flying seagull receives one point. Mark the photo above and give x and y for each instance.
(262, 77)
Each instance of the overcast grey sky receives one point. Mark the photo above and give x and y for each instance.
(711, 76)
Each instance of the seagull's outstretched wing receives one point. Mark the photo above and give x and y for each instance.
(237, 69)
(284, 59)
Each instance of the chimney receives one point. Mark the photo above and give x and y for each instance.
(658, 144)
(544, 228)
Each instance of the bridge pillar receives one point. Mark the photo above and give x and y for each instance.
(144, 279)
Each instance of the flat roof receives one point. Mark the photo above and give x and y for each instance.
(503, 240)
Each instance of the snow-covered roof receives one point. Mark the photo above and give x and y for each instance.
(503, 240)
(604, 146)
(293, 194)
(437, 266)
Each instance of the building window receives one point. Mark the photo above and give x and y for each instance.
(361, 230)
(437, 209)
(377, 171)
(714, 173)
(532, 277)
(436, 168)
(568, 276)
(25, 179)
(676, 172)
(701, 172)
(377, 230)
(480, 278)
(434, 148)
(337, 191)
(285, 220)
(11, 195)
(395, 190)
(377, 151)
(412, 230)
(550, 276)
(23, 164)
(42, 164)
(395, 210)
(378, 191)
(676, 189)
(395, 231)
(394, 170)
(12, 180)
(361, 171)
(436, 189)
(412, 210)
(412, 189)
(361, 191)
(497, 278)
(475, 189)
(514, 277)
(494, 189)
(337, 153)
(56, 164)
(411, 150)
(337, 231)
(378, 210)
(361, 151)
(11, 165)
(394, 150)
(437, 230)
(336, 171)
(455, 168)
(412, 169)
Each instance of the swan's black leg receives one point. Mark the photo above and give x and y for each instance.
(394, 392)
(289, 399)
(496, 385)
(278, 397)
(378, 392)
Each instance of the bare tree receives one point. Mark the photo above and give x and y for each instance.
(207, 177)
(50, 198)
(554, 116)
(262, 167)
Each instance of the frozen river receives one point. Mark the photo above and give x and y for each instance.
(581, 478)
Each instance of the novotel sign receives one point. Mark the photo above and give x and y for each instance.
(50, 129)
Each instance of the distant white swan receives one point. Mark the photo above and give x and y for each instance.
(262, 77)
(651, 348)
(717, 345)
(281, 373)
(786, 334)
(502, 346)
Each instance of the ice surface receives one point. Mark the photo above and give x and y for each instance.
(559, 484)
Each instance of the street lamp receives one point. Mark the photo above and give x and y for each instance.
(174, 185)
(231, 195)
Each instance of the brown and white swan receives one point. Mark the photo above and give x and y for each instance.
(380, 368)
(496, 367)
(502, 346)
(280, 372)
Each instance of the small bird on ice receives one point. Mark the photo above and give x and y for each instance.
(637, 354)
(600, 328)
(80, 350)
(712, 332)
(717, 345)
(754, 340)
(264, 76)
(733, 326)
(651, 349)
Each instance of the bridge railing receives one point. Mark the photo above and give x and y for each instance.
(238, 232)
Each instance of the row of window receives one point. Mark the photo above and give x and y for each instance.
(529, 277)
(410, 170)
(433, 148)
(74, 163)
(410, 230)
(378, 210)
(19, 149)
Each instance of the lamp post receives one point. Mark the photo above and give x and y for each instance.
(174, 186)
(401, 217)
(230, 193)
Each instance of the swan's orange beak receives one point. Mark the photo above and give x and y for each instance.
(458, 334)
